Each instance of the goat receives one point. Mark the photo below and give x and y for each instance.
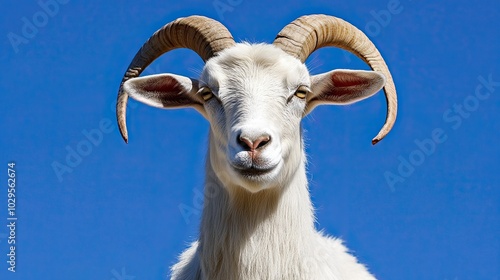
(260, 223)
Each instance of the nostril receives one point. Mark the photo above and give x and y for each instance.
(261, 142)
(250, 145)
(245, 143)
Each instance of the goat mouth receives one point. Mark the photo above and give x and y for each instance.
(253, 171)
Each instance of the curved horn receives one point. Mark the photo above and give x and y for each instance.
(203, 35)
(306, 34)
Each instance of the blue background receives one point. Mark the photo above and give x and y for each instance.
(117, 215)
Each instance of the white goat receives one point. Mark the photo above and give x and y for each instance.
(260, 222)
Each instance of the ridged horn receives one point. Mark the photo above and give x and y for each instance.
(203, 35)
(306, 34)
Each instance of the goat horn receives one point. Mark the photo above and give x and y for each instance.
(306, 34)
(203, 35)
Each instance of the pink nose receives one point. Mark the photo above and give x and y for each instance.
(252, 145)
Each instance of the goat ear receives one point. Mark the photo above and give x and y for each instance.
(165, 91)
(343, 87)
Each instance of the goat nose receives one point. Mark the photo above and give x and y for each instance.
(252, 145)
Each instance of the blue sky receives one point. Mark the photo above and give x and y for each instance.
(114, 213)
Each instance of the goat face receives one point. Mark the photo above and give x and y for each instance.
(255, 110)
(254, 97)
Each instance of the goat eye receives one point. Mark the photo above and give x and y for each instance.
(206, 93)
(302, 92)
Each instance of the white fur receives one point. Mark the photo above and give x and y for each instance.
(261, 227)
